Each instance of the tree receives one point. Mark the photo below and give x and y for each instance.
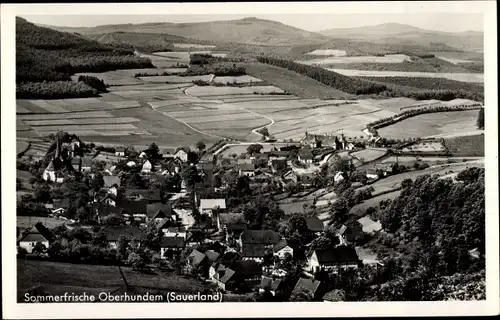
(136, 261)
(339, 211)
(97, 182)
(121, 248)
(200, 145)
(39, 248)
(264, 132)
(254, 148)
(480, 119)
(190, 175)
(153, 151)
(113, 220)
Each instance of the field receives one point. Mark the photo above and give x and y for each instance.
(242, 149)
(359, 210)
(394, 182)
(425, 146)
(24, 222)
(390, 58)
(327, 52)
(466, 146)
(174, 79)
(431, 124)
(192, 45)
(209, 91)
(464, 77)
(369, 154)
(54, 277)
(296, 84)
(238, 79)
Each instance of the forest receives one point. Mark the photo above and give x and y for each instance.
(43, 54)
(330, 78)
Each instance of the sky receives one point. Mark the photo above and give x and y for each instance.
(450, 22)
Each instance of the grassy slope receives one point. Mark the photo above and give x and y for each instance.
(58, 277)
(293, 82)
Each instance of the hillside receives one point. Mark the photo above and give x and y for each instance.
(249, 31)
(394, 33)
(44, 54)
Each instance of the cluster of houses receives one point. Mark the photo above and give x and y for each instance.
(224, 251)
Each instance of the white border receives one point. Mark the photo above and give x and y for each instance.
(12, 310)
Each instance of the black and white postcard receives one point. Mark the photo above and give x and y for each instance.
(279, 158)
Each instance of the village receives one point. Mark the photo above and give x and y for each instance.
(200, 214)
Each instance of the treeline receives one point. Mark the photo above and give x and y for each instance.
(330, 78)
(414, 112)
(94, 82)
(151, 74)
(431, 83)
(54, 90)
(225, 69)
(202, 59)
(43, 54)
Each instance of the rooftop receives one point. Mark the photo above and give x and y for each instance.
(259, 237)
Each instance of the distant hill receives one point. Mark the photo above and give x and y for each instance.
(395, 33)
(247, 31)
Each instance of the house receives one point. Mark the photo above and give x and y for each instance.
(146, 167)
(167, 154)
(76, 163)
(137, 210)
(371, 174)
(333, 259)
(278, 165)
(175, 232)
(305, 156)
(309, 287)
(131, 164)
(290, 176)
(351, 233)
(86, 164)
(103, 211)
(247, 169)
(281, 248)
(143, 155)
(59, 206)
(182, 154)
(269, 284)
(170, 246)
(314, 224)
(49, 174)
(207, 206)
(254, 243)
(239, 273)
(34, 235)
(339, 176)
(350, 146)
(128, 233)
(245, 161)
(231, 221)
(120, 151)
(197, 260)
(212, 255)
(112, 183)
(157, 212)
(306, 179)
(150, 196)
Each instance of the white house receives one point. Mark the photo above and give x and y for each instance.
(146, 167)
(339, 176)
(281, 248)
(182, 154)
(120, 152)
(49, 174)
(333, 259)
(143, 155)
(371, 174)
(207, 206)
(29, 240)
(131, 164)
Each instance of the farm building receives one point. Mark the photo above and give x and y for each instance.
(207, 206)
(171, 245)
(52, 174)
(310, 287)
(305, 156)
(76, 163)
(146, 167)
(129, 234)
(34, 235)
(281, 248)
(314, 224)
(230, 221)
(157, 212)
(333, 259)
(241, 271)
(269, 284)
(278, 165)
(112, 183)
(86, 164)
(175, 232)
(182, 154)
(247, 169)
(254, 243)
(120, 151)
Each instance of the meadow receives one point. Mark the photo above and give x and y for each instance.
(390, 58)
(55, 276)
(369, 154)
(431, 124)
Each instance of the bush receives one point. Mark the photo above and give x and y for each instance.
(93, 82)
